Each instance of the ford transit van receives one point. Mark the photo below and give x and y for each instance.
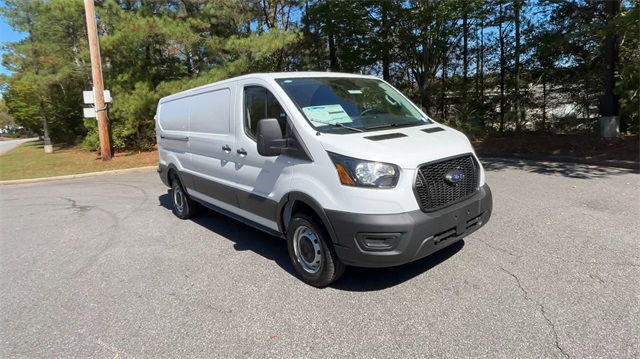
(344, 167)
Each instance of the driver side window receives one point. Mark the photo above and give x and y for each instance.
(259, 103)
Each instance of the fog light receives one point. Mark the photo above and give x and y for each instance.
(377, 241)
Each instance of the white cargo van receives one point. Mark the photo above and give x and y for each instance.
(343, 166)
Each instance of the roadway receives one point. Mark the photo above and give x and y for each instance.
(6, 145)
(100, 267)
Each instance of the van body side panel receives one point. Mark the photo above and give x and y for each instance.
(260, 190)
(261, 182)
(211, 133)
(173, 137)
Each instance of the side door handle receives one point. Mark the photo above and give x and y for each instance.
(175, 137)
(226, 148)
(242, 152)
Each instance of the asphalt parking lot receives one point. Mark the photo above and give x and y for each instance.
(100, 267)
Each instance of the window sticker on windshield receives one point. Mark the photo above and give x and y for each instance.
(355, 92)
(328, 113)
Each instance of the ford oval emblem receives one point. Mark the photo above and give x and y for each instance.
(453, 177)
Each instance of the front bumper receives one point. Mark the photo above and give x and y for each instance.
(385, 240)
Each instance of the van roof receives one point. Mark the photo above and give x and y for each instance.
(268, 76)
(281, 75)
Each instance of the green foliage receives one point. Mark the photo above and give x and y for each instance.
(135, 128)
(22, 103)
(152, 49)
(155, 49)
(6, 119)
(627, 28)
(149, 50)
(64, 114)
(48, 67)
(91, 141)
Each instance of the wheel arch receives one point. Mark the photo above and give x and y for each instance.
(297, 201)
(172, 173)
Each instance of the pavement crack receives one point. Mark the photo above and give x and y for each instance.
(516, 256)
(542, 311)
(593, 276)
(75, 206)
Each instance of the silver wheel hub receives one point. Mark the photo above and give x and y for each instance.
(178, 199)
(307, 249)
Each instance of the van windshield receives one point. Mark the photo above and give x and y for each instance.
(345, 105)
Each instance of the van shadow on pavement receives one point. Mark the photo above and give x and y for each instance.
(244, 236)
(273, 248)
(357, 279)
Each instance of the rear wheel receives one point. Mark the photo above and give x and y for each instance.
(183, 206)
(312, 252)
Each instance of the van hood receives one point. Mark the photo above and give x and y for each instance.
(405, 147)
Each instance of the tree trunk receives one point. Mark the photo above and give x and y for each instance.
(544, 103)
(443, 102)
(516, 6)
(465, 60)
(421, 79)
(609, 102)
(481, 69)
(384, 13)
(587, 111)
(502, 68)
(333, 58)
(478, 67)
(48, 148)
(426, 103)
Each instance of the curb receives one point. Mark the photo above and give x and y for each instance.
(631, 165)
(635, 166)
(79, 175)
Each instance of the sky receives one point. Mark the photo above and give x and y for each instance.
(7, 35)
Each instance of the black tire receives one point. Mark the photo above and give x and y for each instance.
(312, 252)
(183, 206)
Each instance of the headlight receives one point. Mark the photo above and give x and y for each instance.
(355, 172)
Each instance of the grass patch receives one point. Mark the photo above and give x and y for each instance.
(30, 161)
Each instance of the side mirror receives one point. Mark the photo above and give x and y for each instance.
(270, 141)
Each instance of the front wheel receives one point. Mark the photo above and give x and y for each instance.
(312, 252)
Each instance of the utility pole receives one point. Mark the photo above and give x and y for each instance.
(98, 87)
(609, 103)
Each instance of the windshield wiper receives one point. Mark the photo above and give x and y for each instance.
(395, 124)
(337, 124)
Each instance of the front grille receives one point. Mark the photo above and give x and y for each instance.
(434, 192)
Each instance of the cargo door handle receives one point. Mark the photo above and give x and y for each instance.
(226, 148)
(242, 152)
(174, 137)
